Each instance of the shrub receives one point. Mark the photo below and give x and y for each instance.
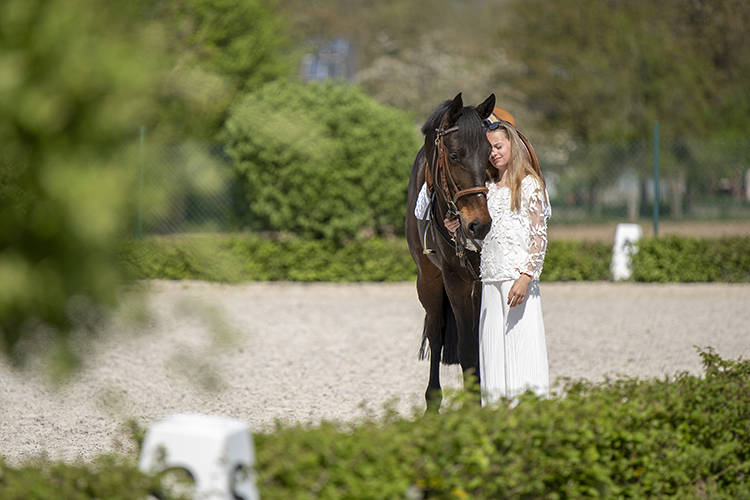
(684, 437)
(108, 477)
(323, 161)
(236, 258)
(681, 437)
(577, 261)
(681, 259)
(252, 258)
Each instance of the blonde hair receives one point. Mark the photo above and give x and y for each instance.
(520, 164)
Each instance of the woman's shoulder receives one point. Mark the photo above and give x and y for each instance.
(530, 183)
(494, 187)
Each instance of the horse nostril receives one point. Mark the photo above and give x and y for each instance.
(477, 229)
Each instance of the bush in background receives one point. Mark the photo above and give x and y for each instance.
(681, 259)
(577, 261)
(237, 258)
(323, 161)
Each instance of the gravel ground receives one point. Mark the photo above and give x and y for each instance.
(294, 352)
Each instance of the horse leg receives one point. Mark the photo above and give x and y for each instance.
(434, 393)
(476, 297)
(464, 302)
(468, 352)
(431, 295)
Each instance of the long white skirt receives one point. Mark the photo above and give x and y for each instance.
(512, 344)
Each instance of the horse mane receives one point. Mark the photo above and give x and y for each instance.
(470, 129)
(433, 121)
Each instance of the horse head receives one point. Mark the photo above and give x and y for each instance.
(456, 143)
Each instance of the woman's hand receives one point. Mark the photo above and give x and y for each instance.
(517, 293)
(452, 224)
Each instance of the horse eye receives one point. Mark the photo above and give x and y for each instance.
(454, 156)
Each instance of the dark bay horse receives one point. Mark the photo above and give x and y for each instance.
(453, 162)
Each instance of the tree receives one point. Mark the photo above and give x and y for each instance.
(413, 55)
(74, 90)
(607, 69)
(322, 160)
(218, 49)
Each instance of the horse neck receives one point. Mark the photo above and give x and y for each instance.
(439, 179)
(440, 207)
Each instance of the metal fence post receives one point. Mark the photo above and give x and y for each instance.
(656, 178)
(139, 224)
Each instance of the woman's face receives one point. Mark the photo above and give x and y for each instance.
(500, 155)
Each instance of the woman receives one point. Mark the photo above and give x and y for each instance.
(512, 345)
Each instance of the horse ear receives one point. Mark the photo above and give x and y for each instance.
(485, 109)
(455, 110)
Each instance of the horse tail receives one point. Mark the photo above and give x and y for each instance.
(424, 349)
(450, 336)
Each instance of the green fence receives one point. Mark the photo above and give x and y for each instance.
(614, 181)
(191, 188)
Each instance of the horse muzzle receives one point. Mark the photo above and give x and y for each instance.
(478, 228)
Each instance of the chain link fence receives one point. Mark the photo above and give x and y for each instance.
(185, 189)
(706, 179)
(191, 188)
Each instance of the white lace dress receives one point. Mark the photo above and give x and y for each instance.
(512, 345)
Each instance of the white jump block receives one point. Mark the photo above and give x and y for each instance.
(218, 452)
(626, 236)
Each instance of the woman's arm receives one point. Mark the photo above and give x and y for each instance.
(537, 237)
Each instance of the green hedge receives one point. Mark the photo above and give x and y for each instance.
(238, 258)
(577, 261)
(682, 437)
(252, 258)
(682, 259)
(108, 477)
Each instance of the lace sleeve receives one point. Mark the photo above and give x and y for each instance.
(537, 238)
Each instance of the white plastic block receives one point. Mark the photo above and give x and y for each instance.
(218, 452)
(626, 236)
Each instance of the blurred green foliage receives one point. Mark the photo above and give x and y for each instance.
(321, 161)
(684, 436)
(78, 79)
(607, 70)
(236, 259)
(74, 88)
(216, 50)
(108, 477)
